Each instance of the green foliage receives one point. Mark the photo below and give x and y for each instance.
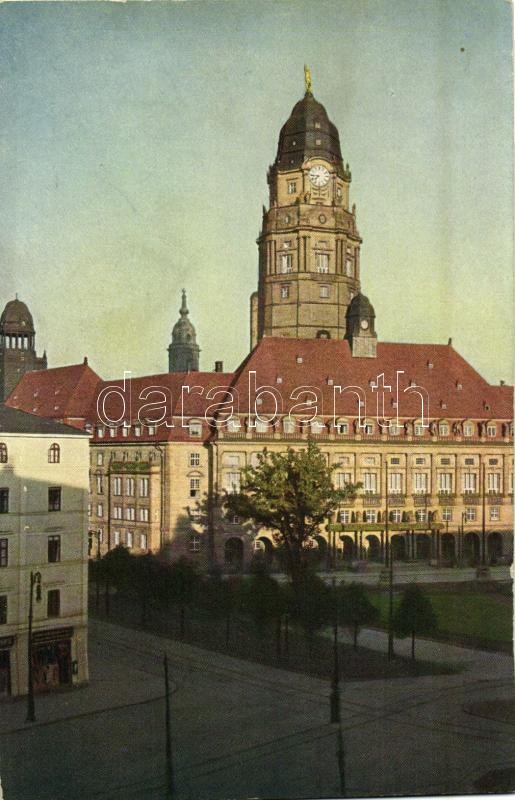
(291, 494)
(414, 615)
(355, 609)
(261, 599)
(312, 605)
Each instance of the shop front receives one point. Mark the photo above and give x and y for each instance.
(51, 658)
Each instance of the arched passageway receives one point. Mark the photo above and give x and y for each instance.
(494, 546)
(398, 545)
(233, 554)
(471, 548)
(374, 547)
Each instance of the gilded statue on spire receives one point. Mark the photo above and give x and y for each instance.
(307, 78)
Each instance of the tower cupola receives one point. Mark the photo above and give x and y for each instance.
(183, 352)
(361, 327)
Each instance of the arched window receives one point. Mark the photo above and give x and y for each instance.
(3, 453)
(54, 454)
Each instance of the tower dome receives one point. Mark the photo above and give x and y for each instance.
(306, 134)
(183, 352)
(17, 346)
(16, 319)
(360, 330)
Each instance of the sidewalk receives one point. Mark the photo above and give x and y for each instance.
(484, 664)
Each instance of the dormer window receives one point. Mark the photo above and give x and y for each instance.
(491, 429)
(443, 429)
(299, 359)
(468, 430)
(233, 425)
(195, 428)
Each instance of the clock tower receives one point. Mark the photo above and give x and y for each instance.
(309, 243)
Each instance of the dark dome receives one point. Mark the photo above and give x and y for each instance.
(360, 306)
(307, 125)
(184, 331)
(16, 318)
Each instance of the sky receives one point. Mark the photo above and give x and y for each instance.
(135, 140)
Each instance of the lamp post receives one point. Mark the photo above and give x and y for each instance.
(390, 573)
(334, 699)
(483, 519)
(35, 581)
(170, 783)
(462, 534)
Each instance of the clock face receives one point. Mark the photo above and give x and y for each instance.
(319, 176)
(364, 324)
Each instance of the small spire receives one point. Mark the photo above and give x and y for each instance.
(16, 295)
(307, 79)
(184, 307)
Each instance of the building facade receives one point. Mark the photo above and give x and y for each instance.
(43, 533)
(166, 448)
(17, 346)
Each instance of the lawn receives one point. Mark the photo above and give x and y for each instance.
(478, 615)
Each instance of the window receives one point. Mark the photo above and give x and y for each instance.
(4, 552)
(445, 483)
(100, 484)
(116, 538)
(468, 430)
(113, 432)
(117, 486)
(137, 430)
(3, 609)
(4, 501)
(447, 514)
(420, 461)
(369, 428)
(491, 430)
(194, 460)
(195, 544)
(53, 603)
(445, 462)
(469, 462)
(117, 512)
(349, 268)
(494, 482)
(324, 291)
(470, 514)
(493, 461)
(54, 549)
(54, 454)
(342, 427)
(345, 517)
(421, 515)
(292, 187)
(469, 483)
(419, 430)
(420, 483)
(288, 426)
(143, 487)
(395, 461)
(233, 460)
(443, 429)
(100, 432)
(322, 262)
(370, 516)
(316, 426)
(143, 541)
(232, 481)
(130, 539)
(261, 426)
(495, 514)
(395, 482)
(100, 509)
(54, 498)
(285, 292)
(130, 487)
(3, 453)
(130, 513)
(195, 428)
(233, 425)
(194, 487)
(285, 261)
(396, 515)
(342, 479)
(151, 430)
(394, 429)
(125, 430)
(369, 482)
(233, 519)
(143, 515)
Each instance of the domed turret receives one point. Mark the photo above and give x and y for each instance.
(16, 319)
(183, 352)
(17, 346)
(307, 133)
(361, 327)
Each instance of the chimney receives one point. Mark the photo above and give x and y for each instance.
(219, 366)
(85, 360)
(449, 343)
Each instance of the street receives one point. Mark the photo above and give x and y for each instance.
(242, 730)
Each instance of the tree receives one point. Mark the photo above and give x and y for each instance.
(312, 607)
(355, 609)
(182, 581)
(115, 568)
(414, 615)
(262, 600)
(219, 597)
(291, 494)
